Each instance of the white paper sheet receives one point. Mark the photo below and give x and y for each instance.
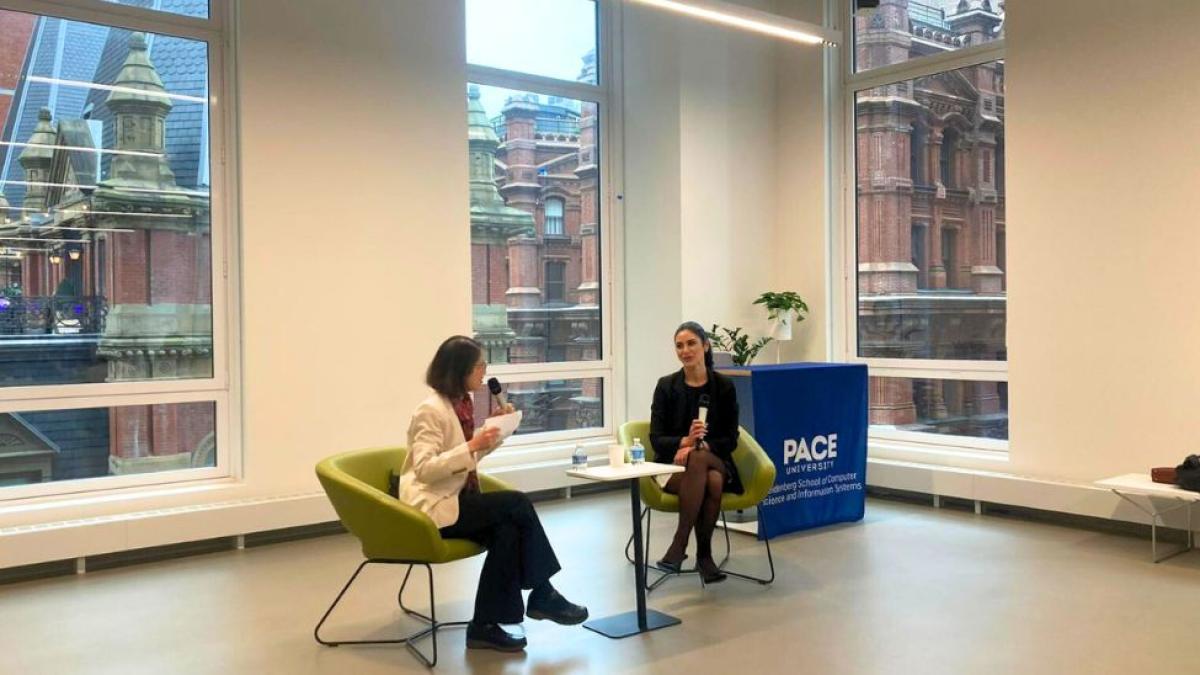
(507, 424)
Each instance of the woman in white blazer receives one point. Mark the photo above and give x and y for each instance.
(438, 477)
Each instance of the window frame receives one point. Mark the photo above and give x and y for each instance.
(607, 95)
(221, 389)
(844, 86)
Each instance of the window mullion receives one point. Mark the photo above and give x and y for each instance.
(525, 372)
(126, 16)
(546, 86)
(925, 66)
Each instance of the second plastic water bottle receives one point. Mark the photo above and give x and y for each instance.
(637, 453)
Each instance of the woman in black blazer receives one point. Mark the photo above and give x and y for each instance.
(705, 448)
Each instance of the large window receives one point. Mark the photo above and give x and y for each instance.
(537, 109)
(111, 364)
(929, 304)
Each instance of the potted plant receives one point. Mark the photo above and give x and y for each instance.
(737, 343)
(783, 310)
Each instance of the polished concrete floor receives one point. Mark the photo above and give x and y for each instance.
(909, 590)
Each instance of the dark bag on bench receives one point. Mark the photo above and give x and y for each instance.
(1187, 475)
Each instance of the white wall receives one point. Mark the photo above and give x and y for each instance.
(799, 252)
(355, 251)
(653, 193)
(709, 155)
(727, 174)
(1102, 239)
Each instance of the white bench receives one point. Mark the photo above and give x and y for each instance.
(1133, 485)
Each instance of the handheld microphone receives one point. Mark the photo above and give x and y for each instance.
(702, 414)
(497, 393)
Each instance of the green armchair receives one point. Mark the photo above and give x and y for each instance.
(758, 476)
(391, 532)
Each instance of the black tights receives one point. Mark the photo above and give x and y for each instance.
(699, 489)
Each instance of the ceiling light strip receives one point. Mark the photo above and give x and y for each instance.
(749, 19)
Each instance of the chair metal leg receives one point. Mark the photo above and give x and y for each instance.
(409, 640)
(400, 600)
(649, 567)
(770, 560)
(725, 527)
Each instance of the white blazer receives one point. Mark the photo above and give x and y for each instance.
(435, 470)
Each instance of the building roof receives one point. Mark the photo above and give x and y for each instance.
(72, 50)
(61, 49)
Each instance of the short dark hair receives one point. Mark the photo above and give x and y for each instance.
(699, 332)
(454, 360)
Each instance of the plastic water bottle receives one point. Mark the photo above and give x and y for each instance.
(637, 453)
(579, 459)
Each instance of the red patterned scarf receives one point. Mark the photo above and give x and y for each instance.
(464, 409)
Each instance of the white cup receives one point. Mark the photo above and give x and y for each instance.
(616, 455)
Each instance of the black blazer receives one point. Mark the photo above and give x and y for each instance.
(670, 420)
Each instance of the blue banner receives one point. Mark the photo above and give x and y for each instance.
(811, 418)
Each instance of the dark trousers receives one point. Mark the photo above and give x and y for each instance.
(518, 553)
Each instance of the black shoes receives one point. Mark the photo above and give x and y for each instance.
(553, 606)
(548, 604)
(493, 636)
(674, 567)
(709, 572)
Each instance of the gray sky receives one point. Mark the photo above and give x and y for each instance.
(542, 37)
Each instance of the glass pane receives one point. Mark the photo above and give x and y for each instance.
(105, 237)
(900, 31)
(196, 8)
(549, 405)
(551, 38)
(930, 215)
(525, 151)
(57, 445)
(950, 407)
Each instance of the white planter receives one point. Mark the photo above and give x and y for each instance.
(781, 326)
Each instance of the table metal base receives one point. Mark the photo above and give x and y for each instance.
(626, 624)
(1156, 516)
